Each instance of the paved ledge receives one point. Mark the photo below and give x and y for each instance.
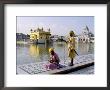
(69, 69)
(80, 62)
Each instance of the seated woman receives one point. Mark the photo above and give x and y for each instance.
(54, 60)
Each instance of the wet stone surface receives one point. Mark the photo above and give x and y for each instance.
(88, 70)
(39, 67)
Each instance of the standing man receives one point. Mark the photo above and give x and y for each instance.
(71, 47)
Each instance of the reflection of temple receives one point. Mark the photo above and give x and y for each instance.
(33, 50)
(36, 50)
(86, 36)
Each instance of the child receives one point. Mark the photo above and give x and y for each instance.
(54, 60)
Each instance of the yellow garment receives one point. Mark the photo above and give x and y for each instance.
(71, 47)
(51, 49)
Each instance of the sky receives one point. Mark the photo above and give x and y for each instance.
(59, 25)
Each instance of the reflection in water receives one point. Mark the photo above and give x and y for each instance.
(83, 48)
(33, 50)
(37, 50)
(59, 44)
(31, 53)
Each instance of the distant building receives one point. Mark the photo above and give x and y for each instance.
(28, 36)
(54, 37)
(86, 36)
(21, 37)
(40, 36)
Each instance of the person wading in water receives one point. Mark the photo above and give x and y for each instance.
(71, 47)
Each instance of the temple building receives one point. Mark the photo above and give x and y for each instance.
(40, 36)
